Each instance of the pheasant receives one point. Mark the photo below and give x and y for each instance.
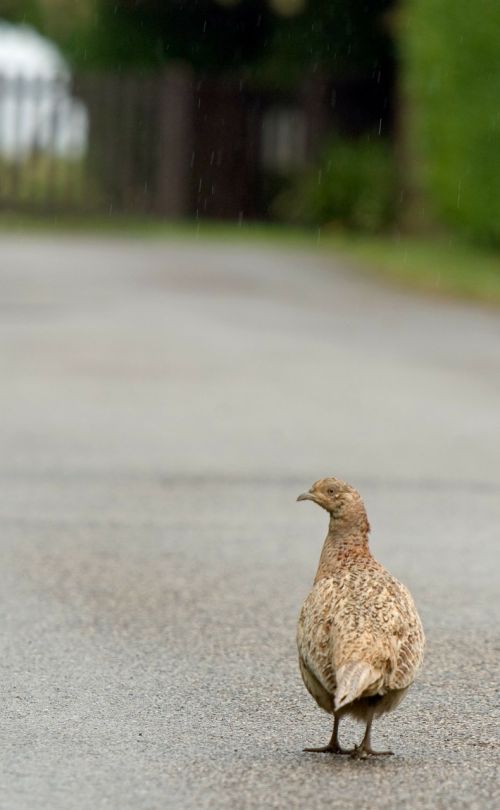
(359, 636)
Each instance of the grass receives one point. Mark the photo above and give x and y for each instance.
(445, 266)
(41, 177)
(150, 227)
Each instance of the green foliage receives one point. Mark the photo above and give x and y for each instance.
(331, 35)
(353, 187)
(204, 33)
(21, 11)
(338, 37)
(114, 39)
(67, 22)
(451, 50)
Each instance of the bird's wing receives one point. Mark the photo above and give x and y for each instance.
(314, 634)
(407, 642)
(377, 628)
(360, 634)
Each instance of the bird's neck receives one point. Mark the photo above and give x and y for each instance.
(343, 543)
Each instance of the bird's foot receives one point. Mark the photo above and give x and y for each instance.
(363, 752)
(328, 749)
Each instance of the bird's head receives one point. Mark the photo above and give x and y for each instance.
(341, 501)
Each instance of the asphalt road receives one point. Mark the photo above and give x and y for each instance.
(162, 404)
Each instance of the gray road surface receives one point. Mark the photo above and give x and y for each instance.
(162, 405)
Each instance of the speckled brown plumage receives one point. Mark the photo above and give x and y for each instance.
(359, 635)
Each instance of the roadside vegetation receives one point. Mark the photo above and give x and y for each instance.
(441, 266)
(424, 160)
(444, 266)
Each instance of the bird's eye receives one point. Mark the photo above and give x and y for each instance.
(331, 491)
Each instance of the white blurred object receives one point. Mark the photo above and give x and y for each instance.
(37, 111)
(283, 138)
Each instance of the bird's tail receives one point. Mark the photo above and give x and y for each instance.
(352, 680)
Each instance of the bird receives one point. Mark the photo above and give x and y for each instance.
(359, 636)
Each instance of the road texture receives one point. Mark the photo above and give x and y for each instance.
(162, 405)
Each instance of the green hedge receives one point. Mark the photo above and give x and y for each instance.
(451, 54)
(351, 187)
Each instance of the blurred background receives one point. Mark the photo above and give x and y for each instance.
(259, 109)
(363, 116)
(244, 244)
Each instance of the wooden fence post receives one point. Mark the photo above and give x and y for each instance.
(175, 142)
(315, 104)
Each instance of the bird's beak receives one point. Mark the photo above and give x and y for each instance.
(306, 496)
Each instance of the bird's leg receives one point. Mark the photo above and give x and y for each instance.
(365, 749)
(333, 746)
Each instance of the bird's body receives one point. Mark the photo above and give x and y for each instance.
(359, 636)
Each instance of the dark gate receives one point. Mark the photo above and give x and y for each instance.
(172, 144)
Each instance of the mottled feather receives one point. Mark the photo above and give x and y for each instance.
(359, 636)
